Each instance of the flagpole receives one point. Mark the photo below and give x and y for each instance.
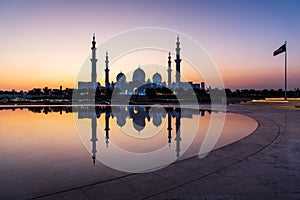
(285, 76)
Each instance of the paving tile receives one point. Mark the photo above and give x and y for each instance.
(114, 189)
(147, 183)
(209, 164)
(70, 195)
(238, 150)
(177, 174)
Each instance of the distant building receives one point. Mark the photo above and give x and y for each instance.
(202, 85)
(87, 85)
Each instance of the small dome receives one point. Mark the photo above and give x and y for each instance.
(138, 75)
(157, 120)
(156, 78)
(121, 121)
(121, 77)
(139, 124)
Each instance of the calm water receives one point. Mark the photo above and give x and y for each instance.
(49, 149)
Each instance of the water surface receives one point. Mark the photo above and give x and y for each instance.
(48, 149)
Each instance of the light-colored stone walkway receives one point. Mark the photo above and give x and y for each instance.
(264, 165)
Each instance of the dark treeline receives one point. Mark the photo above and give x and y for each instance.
(156, 95)
(260, 94)
(38, 93)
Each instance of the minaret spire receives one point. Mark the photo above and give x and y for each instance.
(106, 71)
(93, 42)
(169, 70)
(94, 61)
(177, 61)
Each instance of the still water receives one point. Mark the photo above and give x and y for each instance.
(48, 149)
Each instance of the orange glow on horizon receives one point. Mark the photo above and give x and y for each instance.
(63, 70)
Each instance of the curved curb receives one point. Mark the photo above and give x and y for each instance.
(263, 137)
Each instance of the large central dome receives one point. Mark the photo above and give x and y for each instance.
(138, 75)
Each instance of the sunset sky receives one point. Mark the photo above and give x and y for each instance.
(44, 43)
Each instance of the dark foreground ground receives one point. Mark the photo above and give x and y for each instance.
(264, 165)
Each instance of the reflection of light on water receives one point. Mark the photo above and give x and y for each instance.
(139, 134)
(35, 145)
(138, 123)
(50, 138)
(143, 141)
(116, 156)
(236, 127)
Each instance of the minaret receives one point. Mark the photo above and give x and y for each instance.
(94, 61)
(177, 61)
(94, 137)
(169, 70)
(106, 71)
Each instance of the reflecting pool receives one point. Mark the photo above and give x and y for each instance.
(47, 149)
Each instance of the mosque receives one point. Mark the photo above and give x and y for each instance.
(138, 84)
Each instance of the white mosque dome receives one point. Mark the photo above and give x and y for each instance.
(138, 75)
(121, 77)
(156, 78)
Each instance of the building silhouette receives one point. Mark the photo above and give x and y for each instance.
(138, 84)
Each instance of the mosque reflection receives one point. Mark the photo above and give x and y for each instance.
(138, 115)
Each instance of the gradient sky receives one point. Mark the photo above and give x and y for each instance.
(44, 43)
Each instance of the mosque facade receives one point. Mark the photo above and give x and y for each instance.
(139, 84)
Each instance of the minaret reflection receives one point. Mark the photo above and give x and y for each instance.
(178, 131)
(169, 128)
(107, 115)
(94, 138)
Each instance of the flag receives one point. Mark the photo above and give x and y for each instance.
(280, 50)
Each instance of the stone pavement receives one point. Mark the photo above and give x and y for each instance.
(264, 165)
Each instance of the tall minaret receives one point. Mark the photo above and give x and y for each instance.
(169, 70)
(177, 61)
(106, 71)
(94, 61)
